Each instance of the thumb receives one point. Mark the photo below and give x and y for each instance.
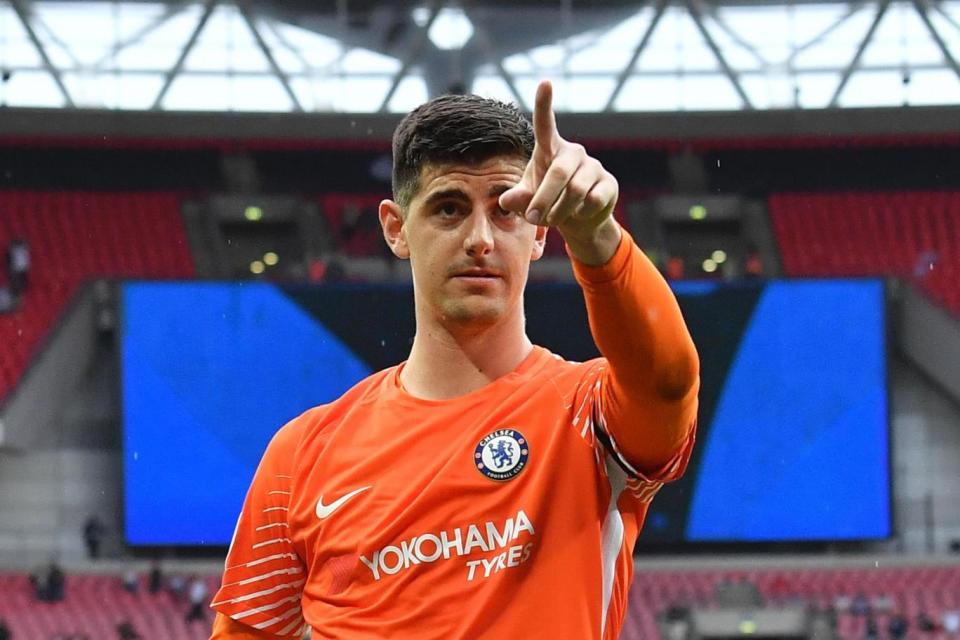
(516, 198)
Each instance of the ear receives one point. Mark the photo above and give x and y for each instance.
(539, 243)
(391, 220)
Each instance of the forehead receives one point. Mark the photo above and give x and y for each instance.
(508, 169)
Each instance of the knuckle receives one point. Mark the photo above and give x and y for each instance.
(558, 171)
(576, 191)
(595, 201)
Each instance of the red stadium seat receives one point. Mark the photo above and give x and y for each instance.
(904, 590)
(873, 234)
(76, 236)
(94, 605)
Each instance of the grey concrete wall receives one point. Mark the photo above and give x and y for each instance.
(30, 417)
(930, 338)
(46, 496)
(926, 456)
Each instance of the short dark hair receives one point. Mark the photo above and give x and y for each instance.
(455, 128)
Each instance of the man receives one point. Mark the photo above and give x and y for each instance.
(18, 265)
(93, 531)
(484, 488)
(198, 598)
(155, 578)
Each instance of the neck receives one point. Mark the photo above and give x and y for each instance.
(447, 362)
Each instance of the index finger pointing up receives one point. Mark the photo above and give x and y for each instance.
(544, 121)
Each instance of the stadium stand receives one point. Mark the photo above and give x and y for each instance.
(75, 236)
(353, 223)
(94, 605)
(913, 235)
(908, 591)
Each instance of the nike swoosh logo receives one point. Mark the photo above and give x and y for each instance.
(324, 510)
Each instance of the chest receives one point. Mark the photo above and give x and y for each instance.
(454, 481)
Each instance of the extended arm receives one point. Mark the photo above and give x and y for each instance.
(649, 393)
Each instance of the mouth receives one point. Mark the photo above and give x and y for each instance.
(477, 277)
(477, 274)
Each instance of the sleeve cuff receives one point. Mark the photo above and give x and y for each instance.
(611, 269)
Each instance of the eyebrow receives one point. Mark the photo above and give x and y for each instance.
(460, 194)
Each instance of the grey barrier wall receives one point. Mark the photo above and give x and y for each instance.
(930, 337)
(30, 417)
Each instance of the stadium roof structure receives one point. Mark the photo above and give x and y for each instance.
(361, 56)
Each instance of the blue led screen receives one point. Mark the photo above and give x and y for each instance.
(792, 441)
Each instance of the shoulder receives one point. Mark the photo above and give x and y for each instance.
(570, 373)
(314, 423)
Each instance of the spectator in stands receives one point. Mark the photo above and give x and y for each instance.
(925, 623)
(872, 631)
(860, 605)
(54, 590)
(155, 581)
(198, 599)
(951, 621)
(126, 631)
(177, 586)
(38, 584)
(18, 265)
(897, 626)
(4, 630)
(93, 531)
(131, 581)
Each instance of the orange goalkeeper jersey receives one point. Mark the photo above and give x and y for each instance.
(508, 512)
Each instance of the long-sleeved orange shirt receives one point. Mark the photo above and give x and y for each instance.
(511, 511)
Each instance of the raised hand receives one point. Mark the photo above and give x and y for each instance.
(562, 186)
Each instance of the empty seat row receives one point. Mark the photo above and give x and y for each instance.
(76, 236)
(912, 235)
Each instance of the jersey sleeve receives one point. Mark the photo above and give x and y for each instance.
(596, 406)
(225, 628)
(643, 392)
(263, 576)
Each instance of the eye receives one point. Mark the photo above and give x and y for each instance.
(448, 209)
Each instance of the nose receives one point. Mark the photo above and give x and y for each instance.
(479, 234)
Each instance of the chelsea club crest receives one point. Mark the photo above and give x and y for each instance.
(503, 454)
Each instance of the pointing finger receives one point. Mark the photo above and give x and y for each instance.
(544, 121)
(555, 180)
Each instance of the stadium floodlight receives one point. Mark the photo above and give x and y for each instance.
(451, 29)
